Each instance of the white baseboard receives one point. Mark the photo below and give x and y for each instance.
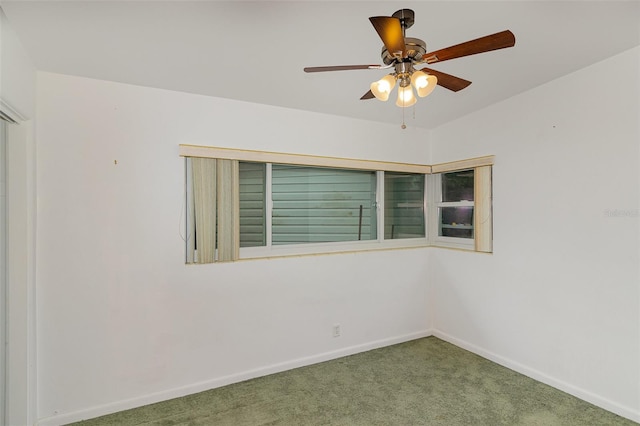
(89, 413)
(627, 412)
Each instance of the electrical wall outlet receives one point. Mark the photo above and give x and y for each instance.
(336, 330)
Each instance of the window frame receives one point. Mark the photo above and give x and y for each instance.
(435, 197)
(379, 243)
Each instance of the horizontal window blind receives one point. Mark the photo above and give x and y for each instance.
(313, 205)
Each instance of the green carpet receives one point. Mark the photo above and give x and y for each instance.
(422, 382)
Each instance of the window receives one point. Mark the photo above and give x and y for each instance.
(282, 205)
(404, 205)
(455, 206)
(253, 224)
(241, 205)
(457, 186)
(461, 214)
(321, 205)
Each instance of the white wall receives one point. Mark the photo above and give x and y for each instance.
(17, 91)
(559, 298)
(122, 321)
(17, 73)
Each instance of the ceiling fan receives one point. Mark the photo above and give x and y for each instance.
(402, 54)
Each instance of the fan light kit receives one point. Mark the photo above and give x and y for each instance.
(404, 53)
(420, 80)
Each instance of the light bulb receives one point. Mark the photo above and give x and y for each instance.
(405, 97)
(382, 88)
(423, 82)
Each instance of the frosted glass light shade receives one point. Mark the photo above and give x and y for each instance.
(405, 97)
(382, 88)
(423, 82)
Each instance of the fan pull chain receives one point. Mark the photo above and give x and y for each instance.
(413, 112)
(404, 126)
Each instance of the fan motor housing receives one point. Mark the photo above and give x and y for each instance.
(415, 49)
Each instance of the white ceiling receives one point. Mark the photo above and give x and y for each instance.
(255, 51)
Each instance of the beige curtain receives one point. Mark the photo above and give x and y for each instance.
(228, 185)
(483, 210)
(204, 200)
(216, 209)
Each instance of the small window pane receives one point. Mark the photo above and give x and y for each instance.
(252, 205)
(457, 186)
(456, 222)
(317, 205)
(404, 206)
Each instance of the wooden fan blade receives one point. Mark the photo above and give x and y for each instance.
(480, 45)
(448, 81)
(341, 68)
(390, 31)
(368, 95)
